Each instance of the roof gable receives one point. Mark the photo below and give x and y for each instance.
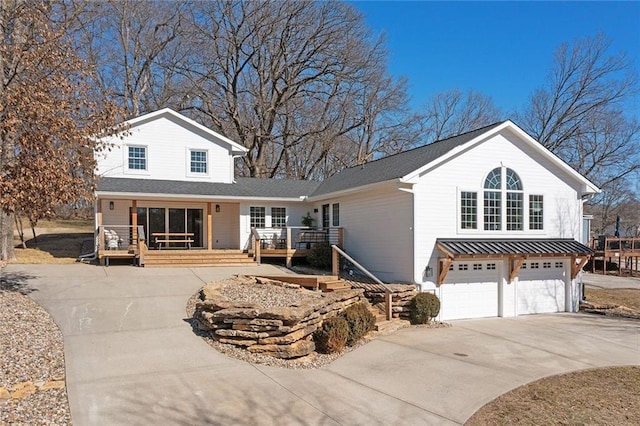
(396, 166)
(407, 165)
(189, 124)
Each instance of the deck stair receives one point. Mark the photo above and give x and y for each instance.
(154, 258)
(325, 283)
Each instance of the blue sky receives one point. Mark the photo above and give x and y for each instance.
(501, 49)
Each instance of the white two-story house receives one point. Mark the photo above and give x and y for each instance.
(488, 220)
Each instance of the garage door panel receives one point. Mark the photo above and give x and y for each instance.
(469, 293)
(541, 289)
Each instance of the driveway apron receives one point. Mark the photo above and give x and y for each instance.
(131, 357)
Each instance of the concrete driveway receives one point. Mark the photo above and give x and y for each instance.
(610, 281)
(132, 359)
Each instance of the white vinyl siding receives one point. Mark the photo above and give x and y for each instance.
(168, 147)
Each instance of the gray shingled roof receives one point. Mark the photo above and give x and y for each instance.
(243, 187)
(383, 169)
(530, 247)
(395, 166)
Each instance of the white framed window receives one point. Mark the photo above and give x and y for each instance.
(477, 266)
(198, 163)
(546, 265)
(463, 267)
(524, 265)
(257, 215)
(468, 210)
(278, 217)
(335, 214)
(536, 212)
(535, 265)
(491, 266)
(136, 157)
(559, 265)
(507, 190)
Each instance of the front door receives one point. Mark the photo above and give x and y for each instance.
(226, 226)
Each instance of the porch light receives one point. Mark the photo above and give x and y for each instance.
(217, 208)
(429, 271)
(111, 205)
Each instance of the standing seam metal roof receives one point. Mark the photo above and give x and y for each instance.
(514, 246)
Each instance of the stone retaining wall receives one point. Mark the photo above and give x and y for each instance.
(282, 332)
(401, 296)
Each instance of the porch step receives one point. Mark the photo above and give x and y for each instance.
(196, 258)
(334, 285)
(389, 326)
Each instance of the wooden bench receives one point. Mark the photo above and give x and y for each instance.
(167, 238)
(307, 238)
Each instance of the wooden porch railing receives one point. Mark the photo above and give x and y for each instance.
(624, 249)
(121, 241)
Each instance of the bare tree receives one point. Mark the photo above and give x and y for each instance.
(578, 113)
(136, 47)
(48, 115)
(284, 78)
(454, 112)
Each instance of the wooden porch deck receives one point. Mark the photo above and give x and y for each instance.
(624, 251)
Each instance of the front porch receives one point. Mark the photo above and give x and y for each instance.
(292, 241)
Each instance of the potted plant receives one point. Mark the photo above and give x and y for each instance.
(307, 220)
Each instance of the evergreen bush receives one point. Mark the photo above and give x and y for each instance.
(360, 321)
(332, 336)
(319, 255)
(424, 308)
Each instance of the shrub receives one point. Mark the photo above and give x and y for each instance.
(332, 336)
(320, 255)
(360, 321)
(424, 308)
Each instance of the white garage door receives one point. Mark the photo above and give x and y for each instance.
(541, 286)
(470, 290)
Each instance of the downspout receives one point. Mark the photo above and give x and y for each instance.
(92, 256)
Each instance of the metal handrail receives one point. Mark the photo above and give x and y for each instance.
(387, 299)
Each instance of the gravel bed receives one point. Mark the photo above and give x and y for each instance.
(31, 350)
(245, 289)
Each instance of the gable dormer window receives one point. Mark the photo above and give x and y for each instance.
(137, 158)
(198, 161)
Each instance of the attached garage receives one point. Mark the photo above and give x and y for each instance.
(541, 286)
(504, 277)
(470, 291)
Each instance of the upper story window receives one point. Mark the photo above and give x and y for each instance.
(499, 190)
(503, 204)
(493, 200)
(257, 215)
(469, 210)
(137, 159)
(536, 216)
(278, 217)
(198, 161)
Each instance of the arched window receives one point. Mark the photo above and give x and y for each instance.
(499, 189)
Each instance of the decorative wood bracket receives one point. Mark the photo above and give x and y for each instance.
(443, 268)
(514, 269)
(576, 265)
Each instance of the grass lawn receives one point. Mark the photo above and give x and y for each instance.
(627, 297)
(604, 396)
(57, 241)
